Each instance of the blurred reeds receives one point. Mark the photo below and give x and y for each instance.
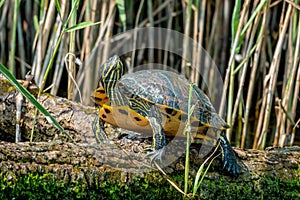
(255, 45)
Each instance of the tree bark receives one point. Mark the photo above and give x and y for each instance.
(75, 118)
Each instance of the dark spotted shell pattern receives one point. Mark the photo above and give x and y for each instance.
(171, 90)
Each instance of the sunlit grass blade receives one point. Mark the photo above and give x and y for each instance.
(11, 66)
(256, 11)
(122, 13)
(57, 5)
(74, 8)
(201, 173)
(187, 131)
(235, 19)
(1, 3)
(81, 25)
(32, 99)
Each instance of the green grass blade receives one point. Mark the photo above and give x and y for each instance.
(81, 25)
(36, 23)
(122, 13)
(58, 8)
(235, 20)
(256, 11)
(204, 173)
(12, 67)
(201, 172)
(42, 9)
(73, 9)
(187, 130)
(32, 99)
(1, 3)
(198, 176)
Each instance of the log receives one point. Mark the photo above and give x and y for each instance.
(110, 173)
(74, 117)
(53, 167)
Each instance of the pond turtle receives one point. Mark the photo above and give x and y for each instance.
(156, 102)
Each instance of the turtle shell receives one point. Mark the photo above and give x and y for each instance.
(169, 92)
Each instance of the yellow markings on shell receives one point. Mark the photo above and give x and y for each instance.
(99, 97)
(124, 117)
(174, 122)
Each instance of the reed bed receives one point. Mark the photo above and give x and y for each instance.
(255, 45)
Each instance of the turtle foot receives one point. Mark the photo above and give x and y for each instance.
(230, 162)
(102, 139)
(228, 157)
(156, 155)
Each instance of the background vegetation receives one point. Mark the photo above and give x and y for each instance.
(255, 45)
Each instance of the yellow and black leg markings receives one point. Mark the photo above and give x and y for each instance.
(159, 140)
(99, 97)
(98, 129)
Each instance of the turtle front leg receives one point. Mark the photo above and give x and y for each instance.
(159, 140)
(228, 156)
(153, 115)
(98, 129)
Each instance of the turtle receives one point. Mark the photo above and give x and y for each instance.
(156, 102)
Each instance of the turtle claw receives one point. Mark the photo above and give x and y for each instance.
(232, 168)
(156, 155)
(230, 164)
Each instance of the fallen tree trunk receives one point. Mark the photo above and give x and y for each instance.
(75, 118)
(108, 172)
(59, 169)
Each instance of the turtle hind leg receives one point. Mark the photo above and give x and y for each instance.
(228, 156)
(98, 129)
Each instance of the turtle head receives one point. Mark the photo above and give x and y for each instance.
(112, 71)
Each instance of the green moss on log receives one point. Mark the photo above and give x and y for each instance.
(153, 186)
